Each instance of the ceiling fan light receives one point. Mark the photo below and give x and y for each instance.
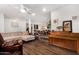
(33, 14)
(44, 9)
(22, 10)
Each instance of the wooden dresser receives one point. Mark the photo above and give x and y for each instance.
(65, 40)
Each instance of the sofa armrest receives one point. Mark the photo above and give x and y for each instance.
(12, 45)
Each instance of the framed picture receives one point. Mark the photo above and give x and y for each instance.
(67, 26)
(35, 26)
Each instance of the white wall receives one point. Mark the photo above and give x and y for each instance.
(6, 24)
(9, 28)
(1, 23)
(64, 14)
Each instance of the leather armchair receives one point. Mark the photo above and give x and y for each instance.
(13, 47)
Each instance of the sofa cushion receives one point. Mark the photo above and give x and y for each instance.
(14, 34)
(28, 37)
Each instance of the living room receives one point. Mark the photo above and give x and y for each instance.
(39, 29)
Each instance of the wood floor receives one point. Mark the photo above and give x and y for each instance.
(41, 47)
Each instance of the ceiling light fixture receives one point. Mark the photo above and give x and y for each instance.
(14, 20)
(44, 10)
(33, 14)
(22, 10)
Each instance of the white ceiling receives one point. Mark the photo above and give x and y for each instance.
(13, 11)
(40, 15)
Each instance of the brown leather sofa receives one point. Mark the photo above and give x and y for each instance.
(13, 47)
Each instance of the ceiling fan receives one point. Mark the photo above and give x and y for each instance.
(25, 9)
